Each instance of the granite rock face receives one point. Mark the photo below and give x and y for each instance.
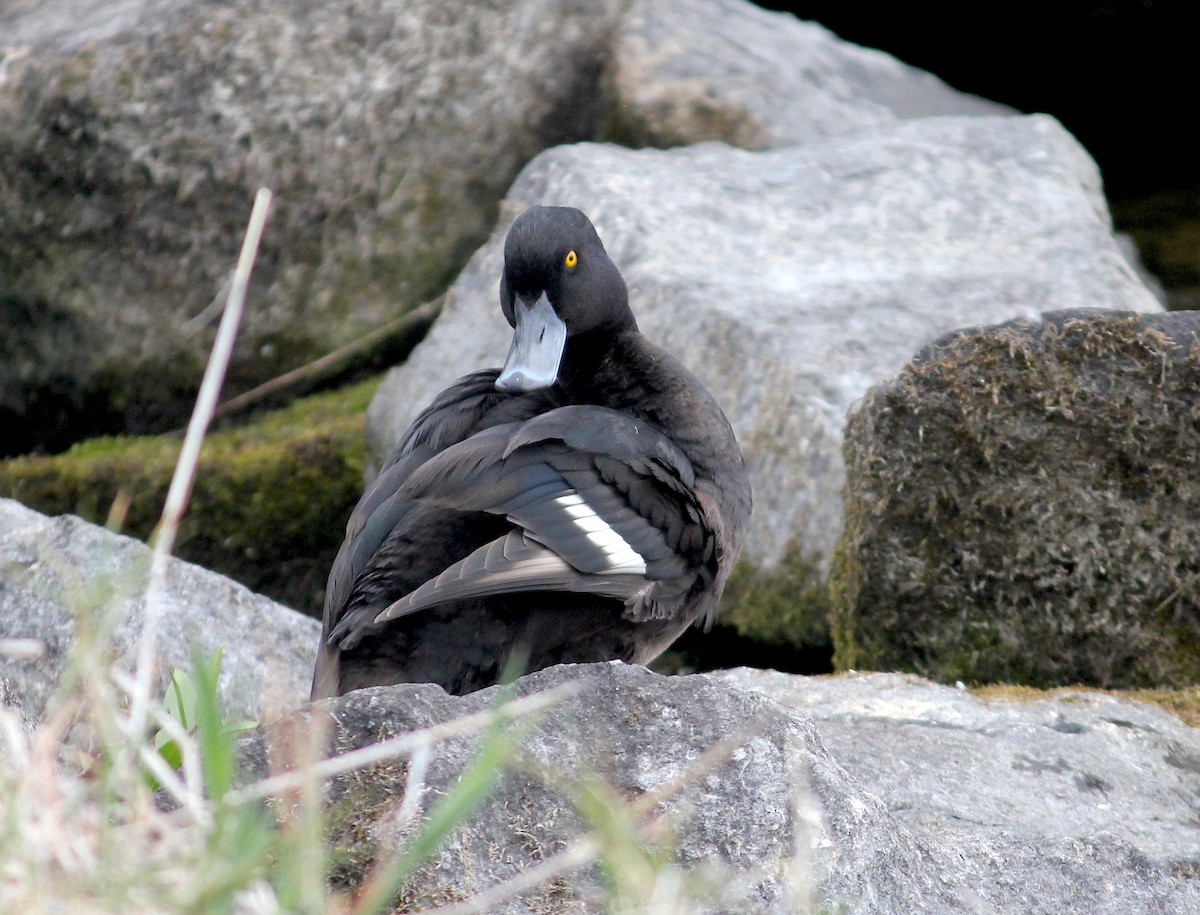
(55, 571)
(769, 828)
(792, 280)
(1073, 802)
(133, 134)
(1068, 766)
(1021, 505)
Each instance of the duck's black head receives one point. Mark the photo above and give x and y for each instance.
(558, 283)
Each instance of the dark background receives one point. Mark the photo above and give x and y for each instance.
(1120, 75)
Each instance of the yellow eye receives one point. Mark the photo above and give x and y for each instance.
(571, 260)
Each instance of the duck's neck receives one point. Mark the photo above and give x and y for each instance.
(580, 357)
(623, 371)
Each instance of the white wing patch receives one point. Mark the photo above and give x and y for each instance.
(621, 556)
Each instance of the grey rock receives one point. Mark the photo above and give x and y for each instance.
(1021, 503)
(685, 71)
(1077, 802)
(1071, 766)
(771, 827)
(55, 571)
(927, 799)
(791, 280)
(134, 133)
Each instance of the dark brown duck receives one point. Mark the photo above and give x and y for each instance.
(585, 502)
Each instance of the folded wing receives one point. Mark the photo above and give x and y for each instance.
(600, 503)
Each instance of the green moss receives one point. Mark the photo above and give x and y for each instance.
(270, 501)
(786, 607)
(844, 577)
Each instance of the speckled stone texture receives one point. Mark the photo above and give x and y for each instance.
(1066, 767)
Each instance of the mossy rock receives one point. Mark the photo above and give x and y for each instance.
(1021, 506)
(270, 501)
(787, 606)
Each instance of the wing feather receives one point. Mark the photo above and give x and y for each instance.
(607, 494)
(509, 564)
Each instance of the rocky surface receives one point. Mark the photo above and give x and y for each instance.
(791, 280)
(685, 71)
(927, 799)
(390, 134)
(56, 571)
(745, 827)
(1021, 503)
(873, 794)
(132, 136)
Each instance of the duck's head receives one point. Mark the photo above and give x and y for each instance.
(558, 283)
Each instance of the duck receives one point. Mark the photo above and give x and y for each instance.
(584, 502)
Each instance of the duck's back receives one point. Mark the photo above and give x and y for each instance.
(644, 380)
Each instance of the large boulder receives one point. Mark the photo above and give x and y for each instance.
(134, 134)
(764, 827)
(777, 823)
(1021, 505)
(791, 280)
(685, 71)
(58, 574)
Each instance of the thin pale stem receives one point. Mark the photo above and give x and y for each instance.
(185, 467)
